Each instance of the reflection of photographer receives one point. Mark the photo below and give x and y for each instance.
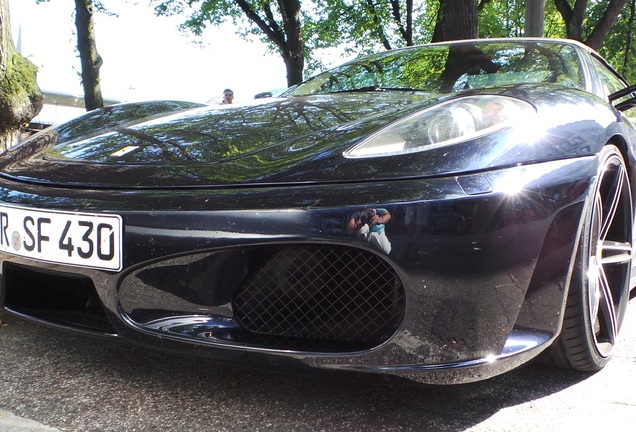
(368, 225)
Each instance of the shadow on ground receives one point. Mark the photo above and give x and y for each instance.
(78, 383)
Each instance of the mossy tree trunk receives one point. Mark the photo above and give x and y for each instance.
(20, 96)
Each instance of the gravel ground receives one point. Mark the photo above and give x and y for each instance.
(72, 383)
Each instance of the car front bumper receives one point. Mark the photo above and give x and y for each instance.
(478, 270)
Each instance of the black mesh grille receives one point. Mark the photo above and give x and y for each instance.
(321, 297)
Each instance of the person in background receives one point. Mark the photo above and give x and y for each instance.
(228, 97)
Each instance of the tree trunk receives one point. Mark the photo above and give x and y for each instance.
(90, 59)
(371, 7)
(456, 19)
(404, 25)
(289, 39)
(294, 51)
(574, 18)
(629, 38)
(20, 96)
(294, 65)
(605, 24)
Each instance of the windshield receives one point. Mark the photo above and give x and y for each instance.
(452, 68)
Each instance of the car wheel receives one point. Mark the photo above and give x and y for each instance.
(599, 286)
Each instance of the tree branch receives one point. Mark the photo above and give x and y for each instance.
(407, 33)
(605, 24)
(482, 4)
(275, 35)
(564, 9)
(377, 22)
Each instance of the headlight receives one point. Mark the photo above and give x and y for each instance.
(448, 123)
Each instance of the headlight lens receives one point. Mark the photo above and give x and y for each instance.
(448, 123)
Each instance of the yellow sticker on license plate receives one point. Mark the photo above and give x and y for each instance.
(79, 239)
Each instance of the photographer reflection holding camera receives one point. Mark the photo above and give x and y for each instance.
(368, 225)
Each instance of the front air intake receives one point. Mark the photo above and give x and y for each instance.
(320, 297)
(63, 299)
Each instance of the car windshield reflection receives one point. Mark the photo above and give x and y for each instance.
(451, 68)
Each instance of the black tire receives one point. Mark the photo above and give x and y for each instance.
(599, 286)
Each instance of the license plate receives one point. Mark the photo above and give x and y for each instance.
(78, 239)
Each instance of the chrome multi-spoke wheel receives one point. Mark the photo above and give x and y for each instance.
(599, 286)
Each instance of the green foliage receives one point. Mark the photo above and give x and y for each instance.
(616, 49)
(364, 26)
(355, 27)
(201, 13)
(280, 24)
(506, 18)
(554, 25)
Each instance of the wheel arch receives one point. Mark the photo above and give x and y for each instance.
(597, 290)
(619, 142)
(630, 164)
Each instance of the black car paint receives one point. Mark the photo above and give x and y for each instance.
(448, 279)
(458, 286)
(308, 136)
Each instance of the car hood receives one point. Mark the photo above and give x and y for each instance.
(161, 144)
(267, 142)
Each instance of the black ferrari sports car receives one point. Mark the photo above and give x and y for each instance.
(441, 213)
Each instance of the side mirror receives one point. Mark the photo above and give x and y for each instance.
(625, 104)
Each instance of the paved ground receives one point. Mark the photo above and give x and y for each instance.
(70, 383)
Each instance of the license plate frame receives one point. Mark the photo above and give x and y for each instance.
(81, 239)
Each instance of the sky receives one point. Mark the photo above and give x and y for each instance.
(145, 57)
